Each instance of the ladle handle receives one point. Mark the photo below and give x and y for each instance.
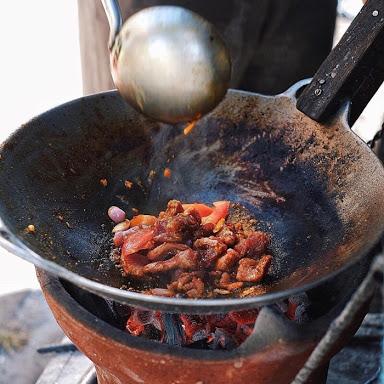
(354, 70)
(113, 12)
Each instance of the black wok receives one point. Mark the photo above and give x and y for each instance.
(316, 187)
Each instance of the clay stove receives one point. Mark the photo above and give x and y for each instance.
(274, 353)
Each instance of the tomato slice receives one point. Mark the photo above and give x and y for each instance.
(220, 211)
(135, 241)
(143, 220)
(203, 209)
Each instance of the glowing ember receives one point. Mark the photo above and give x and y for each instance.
(167, 173)
(221, 331)
(189, 127)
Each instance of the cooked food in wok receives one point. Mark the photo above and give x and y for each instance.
(192, 251)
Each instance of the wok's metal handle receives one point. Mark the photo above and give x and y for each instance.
(113, 12)
(354, 69)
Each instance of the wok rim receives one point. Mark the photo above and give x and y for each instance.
(19, 248)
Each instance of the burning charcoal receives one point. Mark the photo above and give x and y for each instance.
(297, 308)
(283, 306)
(173, 332)
(201, 334)
(142, 322)
(299, 299)
(119, 312)
(192, 324)
(301, 314)
(221, 340)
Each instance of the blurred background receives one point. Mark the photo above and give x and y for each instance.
(41, 68)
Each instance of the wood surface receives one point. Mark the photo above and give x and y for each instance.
(354, 70)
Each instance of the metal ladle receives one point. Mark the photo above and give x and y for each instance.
(167, 62)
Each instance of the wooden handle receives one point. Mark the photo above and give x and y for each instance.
(354, 70)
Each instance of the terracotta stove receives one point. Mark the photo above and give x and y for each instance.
(273, 353)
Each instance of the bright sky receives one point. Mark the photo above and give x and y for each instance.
(40, 68)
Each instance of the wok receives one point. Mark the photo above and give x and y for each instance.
(315, 186)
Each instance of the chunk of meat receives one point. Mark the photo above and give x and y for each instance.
(256, 290)
(173, 208)
(120, 236)
(226, 262)
(227, 283)
(166, 249)
(189, 284)
(209, 249)
(185, 260)
(205, 230)
(254, 245)
(133, 264)
(253, 271)
(220, 211)
(175, 229)
(137, 239)
(227, 235)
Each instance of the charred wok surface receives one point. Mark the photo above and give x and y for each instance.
(317, 189)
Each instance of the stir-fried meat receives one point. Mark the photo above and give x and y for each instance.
(189, 284)
(226, 262)
(205, 230)
(209, 249)
(133, 264)
(255, 290)
(193, 250)
(251, 270)
(185, 260)
(136, 240)
(164, 250)
(227, 235)
(174, 229)
(173, 208)
(227, 283)
(254, 245)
